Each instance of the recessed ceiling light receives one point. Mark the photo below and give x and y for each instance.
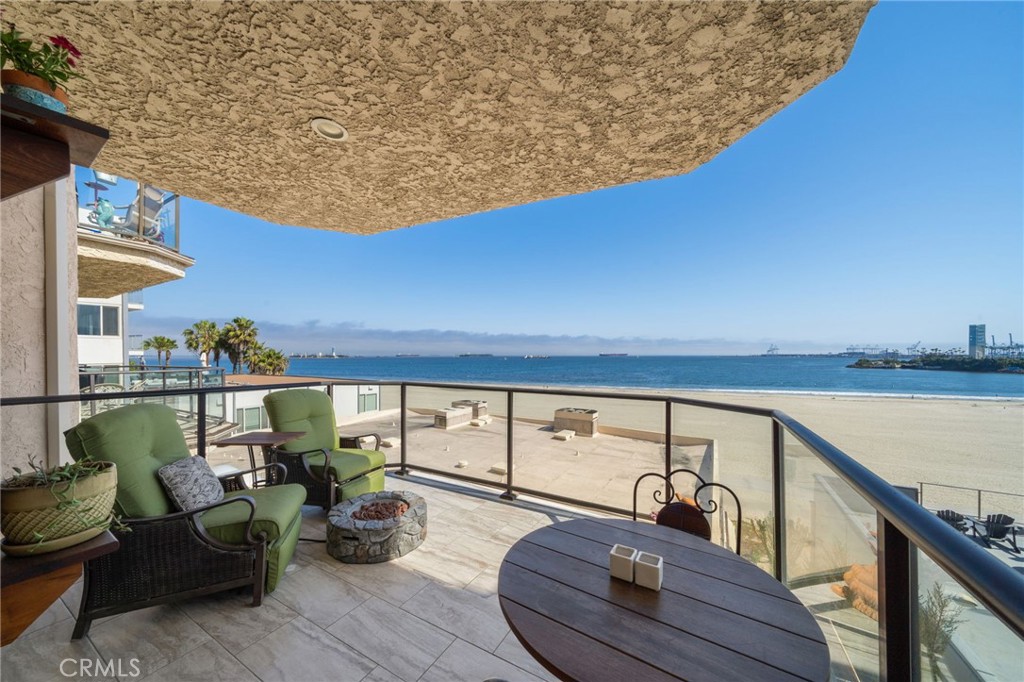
(329, 130)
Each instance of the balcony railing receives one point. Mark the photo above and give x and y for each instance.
(107, 382)
(864, 557)
(115, 206)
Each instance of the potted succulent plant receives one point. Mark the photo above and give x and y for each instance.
(37, 74)
(44, 510)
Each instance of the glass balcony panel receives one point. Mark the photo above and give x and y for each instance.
(444, 437)
(612, 443)
(159, 212)
(733, 449)
(832, 559)
(106, 203)
(960, 639)
(971, 501)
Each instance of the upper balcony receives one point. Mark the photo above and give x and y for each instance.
(128, 235)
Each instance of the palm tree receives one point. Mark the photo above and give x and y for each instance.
(220, 347)
(263, 360)
(239, 334)
(163, 345)
(254, 357)
(202, 338)
(274, 361)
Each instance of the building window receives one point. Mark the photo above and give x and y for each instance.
(99, 320)
(89, 320)
(251, 418)
(111, 318)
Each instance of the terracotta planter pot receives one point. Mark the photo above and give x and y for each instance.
(33, 89)
(24, 512)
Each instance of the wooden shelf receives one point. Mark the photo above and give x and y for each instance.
(38, 145)
(28, 585)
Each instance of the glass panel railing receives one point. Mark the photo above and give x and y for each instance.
(586, 448)
(110, 205)
(160, 216)
(958, 638)
(733, 449)
(831, 559)
(976, 502)
(457, 430)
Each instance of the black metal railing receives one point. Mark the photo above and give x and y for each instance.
(904, 530)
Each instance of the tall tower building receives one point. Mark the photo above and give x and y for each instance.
(976, 341)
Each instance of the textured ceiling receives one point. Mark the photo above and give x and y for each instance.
(452, 108)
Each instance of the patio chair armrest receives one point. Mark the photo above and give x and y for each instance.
(303, 457)
(355, 441)
(275, 471)
(192, 517)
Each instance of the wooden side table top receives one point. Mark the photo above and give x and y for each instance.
(261, 438)
(16, 569)
(717, 617)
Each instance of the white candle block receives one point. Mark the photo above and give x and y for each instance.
(647, 570)
(620, 562)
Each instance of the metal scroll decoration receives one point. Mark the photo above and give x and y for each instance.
(665, 497)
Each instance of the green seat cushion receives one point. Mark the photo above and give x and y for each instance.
(276, 508)
(139, 439)
(347, 463)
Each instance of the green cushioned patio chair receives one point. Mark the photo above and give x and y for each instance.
(331, 467)
(248, 538)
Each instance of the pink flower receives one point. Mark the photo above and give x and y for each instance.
(61, 41)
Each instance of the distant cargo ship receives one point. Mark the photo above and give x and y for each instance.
(536, 357)
(476, 355)
(613, 355)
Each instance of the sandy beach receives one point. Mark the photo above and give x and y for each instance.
(977, 444)
(905, 440)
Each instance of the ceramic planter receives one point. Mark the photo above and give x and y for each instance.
(34, 89)
(620, 562)
(648, 570)
(24, 512)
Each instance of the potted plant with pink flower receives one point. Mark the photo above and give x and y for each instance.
(37, 74)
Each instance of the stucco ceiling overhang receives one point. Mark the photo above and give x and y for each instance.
(111, 266)
(452, 107)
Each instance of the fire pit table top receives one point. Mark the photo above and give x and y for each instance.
(371, 539)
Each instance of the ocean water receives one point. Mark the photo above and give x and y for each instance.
(733, 373)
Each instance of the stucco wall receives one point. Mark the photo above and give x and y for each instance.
(22, 327)
(23, 361)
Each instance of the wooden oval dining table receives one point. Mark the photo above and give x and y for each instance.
(717, 616)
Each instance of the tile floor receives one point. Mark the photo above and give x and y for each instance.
(432, 615)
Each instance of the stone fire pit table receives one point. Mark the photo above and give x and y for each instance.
(353, 540)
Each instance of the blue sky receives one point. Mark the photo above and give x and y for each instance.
(883, 207)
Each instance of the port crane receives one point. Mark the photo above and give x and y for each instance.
(1011, 350)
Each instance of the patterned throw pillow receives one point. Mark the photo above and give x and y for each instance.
(191, 483)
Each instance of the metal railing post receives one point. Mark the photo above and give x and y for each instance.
(201, 426)
(896, 643)
(509, 494)
(778, 499)
(979, 503)
(92, 390)
(668, 447)
(404, 470)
